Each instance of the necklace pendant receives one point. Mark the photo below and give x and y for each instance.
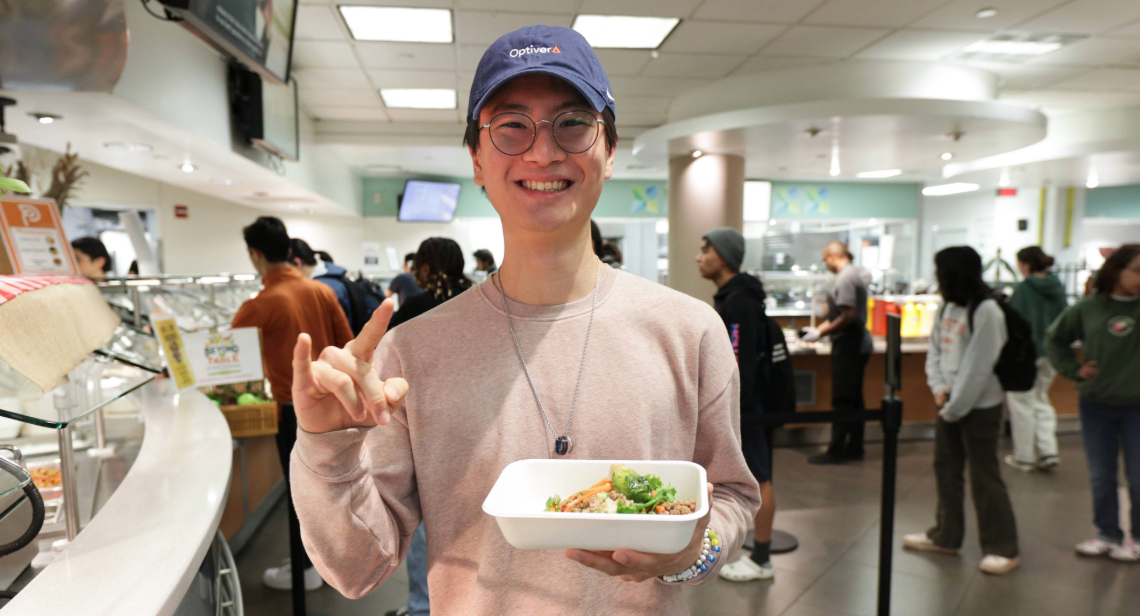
(563, 445)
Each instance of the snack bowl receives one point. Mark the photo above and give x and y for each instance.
(518, 498)
(52, 493)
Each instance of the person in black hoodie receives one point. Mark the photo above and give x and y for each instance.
(739, 300)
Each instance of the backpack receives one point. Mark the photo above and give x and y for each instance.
(776, 377)
(358, 291)
(1016, 367)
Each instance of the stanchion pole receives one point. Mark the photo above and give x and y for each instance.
(892, 420)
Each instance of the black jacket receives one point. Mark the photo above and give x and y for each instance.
(740, 303)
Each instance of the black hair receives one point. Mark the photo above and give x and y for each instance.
(1035, 258)
(300, 250)
(133, 269)
(444, 277)
(326, 257)
(611, 254)
(596, 238)
(411, 256)
(959, 272)
(485, 256)
(268, 236)
(1109, 273)
(93, 248)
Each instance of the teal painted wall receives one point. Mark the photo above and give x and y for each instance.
(1113, 202)
(815, 200)
(619, 199)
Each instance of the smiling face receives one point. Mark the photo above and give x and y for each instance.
(544, 189)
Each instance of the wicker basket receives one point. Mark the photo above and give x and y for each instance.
(250, 419)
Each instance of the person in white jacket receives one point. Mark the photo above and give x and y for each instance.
(968, 337)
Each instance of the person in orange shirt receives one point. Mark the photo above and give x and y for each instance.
(290, 304)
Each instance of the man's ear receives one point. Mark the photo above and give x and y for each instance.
(610, 160)
(476, 165)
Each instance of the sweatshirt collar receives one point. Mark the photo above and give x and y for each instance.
(280, 275)
(530, 312)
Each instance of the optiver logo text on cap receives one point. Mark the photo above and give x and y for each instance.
(518, 53)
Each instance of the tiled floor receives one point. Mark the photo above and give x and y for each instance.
(834, 512)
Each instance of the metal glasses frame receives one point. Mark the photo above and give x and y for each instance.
(534, 136)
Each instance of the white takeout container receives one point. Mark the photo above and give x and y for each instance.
(519, 496)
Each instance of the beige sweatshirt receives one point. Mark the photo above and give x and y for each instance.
(660, 383)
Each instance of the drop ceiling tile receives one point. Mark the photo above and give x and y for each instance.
(481, 28)
(323, 54)
(469, 56)
(425, 115)
(1027, 76)
(1094, 52)
(370, 114)
(644, 105)
(1053, 101)
(1085, 17)
(1131, 30)
(428, 4)
(1102, 80)
(331, 78)
(407, 56)
(822, 41)
(919, 45)
(879, 13)
(641, 119)
(413, 79)
(708, 66)
(555, 7)
(653, 86)
(338, 97)
(719, 37)
(770, 11)
(640, 8)
(962, 14)
(623, 62)
(761, 63)
(319, 23)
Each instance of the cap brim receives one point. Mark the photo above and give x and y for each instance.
(595, 98)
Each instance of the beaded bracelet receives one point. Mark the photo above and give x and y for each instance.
(710, 550)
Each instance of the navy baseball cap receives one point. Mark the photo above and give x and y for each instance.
(561, 52)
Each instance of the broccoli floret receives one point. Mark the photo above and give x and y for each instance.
(628, 483)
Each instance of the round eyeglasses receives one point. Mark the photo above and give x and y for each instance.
(514, 133)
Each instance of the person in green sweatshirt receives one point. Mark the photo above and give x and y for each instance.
(1108, 378)
(1040, 298)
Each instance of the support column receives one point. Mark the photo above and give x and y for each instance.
(704, 193)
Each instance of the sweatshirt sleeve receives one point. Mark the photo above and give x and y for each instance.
(356, 497)
(978, 361)
(934, 376)
(736, 495)
(1059, 341)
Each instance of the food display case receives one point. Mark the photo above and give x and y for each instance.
(198, 302)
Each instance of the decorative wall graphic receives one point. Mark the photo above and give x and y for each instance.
(647, 200)
(800, 200)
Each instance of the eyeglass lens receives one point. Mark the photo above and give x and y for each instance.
(514, 133)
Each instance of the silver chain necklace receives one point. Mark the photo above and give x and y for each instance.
(562, 444)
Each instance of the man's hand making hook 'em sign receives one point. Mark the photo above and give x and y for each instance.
(342, 389)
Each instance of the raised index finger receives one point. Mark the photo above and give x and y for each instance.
(365, 344)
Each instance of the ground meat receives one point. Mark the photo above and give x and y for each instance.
(681, 507)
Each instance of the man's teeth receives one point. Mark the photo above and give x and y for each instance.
(554, 186)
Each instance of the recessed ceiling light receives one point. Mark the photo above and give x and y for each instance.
(1016, 46)
(697, 153)
(418, 98)
(187, 167)
(122, 146)
(224, 181)
(947, 155)
(1094, 179)
(885, 173)
(834, 161)
(987, 13)
(1003, 181)
(384, 23)
(622, 32)
(45, 118)
(949, 189)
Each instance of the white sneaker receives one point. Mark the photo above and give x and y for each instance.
(281, 578)
(1127, 552)
(1048, 463)
(920, 542)
(1024, 467)
(1094, 547)
(745, 570)
(998, 565)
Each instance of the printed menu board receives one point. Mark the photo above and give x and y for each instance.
(33, 238)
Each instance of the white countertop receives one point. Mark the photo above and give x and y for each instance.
(141, 551)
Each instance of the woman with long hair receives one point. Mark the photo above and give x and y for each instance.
(438, 268)
(968, 336)
(1108, 378)
(1040, 298)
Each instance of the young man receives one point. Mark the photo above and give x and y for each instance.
(355, 301)
(403, 286)
(289, 305)
(850, 349)
(739, 301)
(419, 428)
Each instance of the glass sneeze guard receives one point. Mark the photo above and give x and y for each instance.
(68, 401)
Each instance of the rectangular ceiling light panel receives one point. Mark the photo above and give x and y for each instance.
(621, 32)
(418, 98)
(1017, 46)
(384, 23)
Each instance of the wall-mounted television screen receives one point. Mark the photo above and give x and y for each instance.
(428, 201)
(259, 33)
(265, 115)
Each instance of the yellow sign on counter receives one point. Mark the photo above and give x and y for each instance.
(175, 351)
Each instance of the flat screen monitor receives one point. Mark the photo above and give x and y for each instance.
(428, 201)
(259, 33)
(278, 121)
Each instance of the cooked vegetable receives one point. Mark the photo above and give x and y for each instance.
(625, 492)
